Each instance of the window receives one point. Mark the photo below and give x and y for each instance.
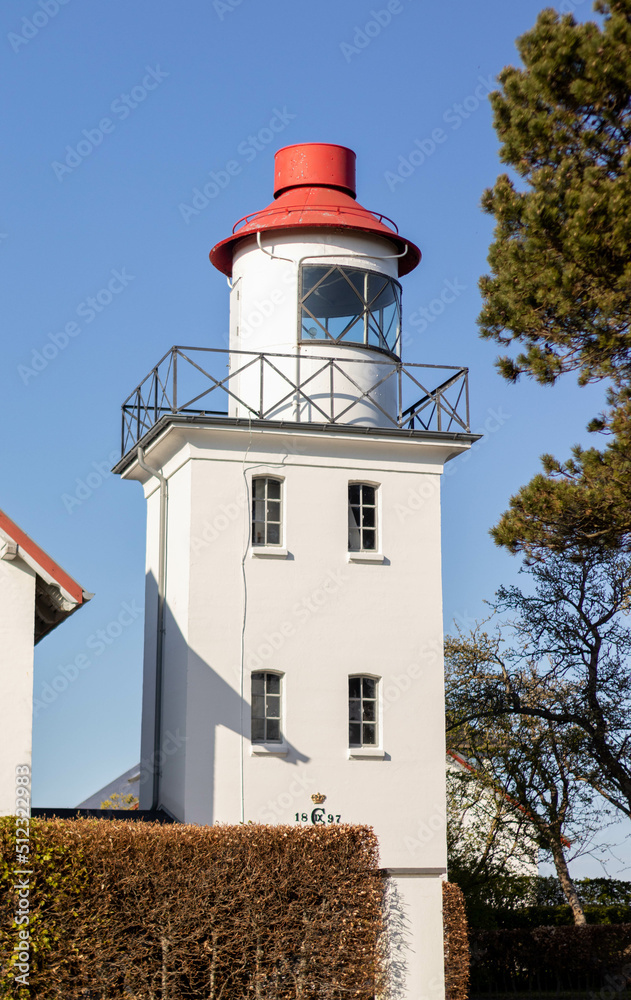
(344, 303)
(266, 708)
(362, 712)
(362, 517)
(266, 511)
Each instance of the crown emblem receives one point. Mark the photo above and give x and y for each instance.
(318, 798)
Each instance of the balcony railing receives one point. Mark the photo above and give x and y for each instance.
(194, 381)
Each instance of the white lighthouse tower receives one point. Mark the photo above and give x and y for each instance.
(293, 647)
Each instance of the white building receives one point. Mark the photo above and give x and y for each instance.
(485, 826)
(293, 646)
(36, 595)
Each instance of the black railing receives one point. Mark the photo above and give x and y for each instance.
(261, 386)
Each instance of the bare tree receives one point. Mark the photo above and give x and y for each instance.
(538, 771)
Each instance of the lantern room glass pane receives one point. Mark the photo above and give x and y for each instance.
(333, 304)
(349, 304)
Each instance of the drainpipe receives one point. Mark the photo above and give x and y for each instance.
(162, 574)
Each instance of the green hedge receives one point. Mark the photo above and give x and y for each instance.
(520, 902)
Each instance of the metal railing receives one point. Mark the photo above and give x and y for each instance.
(186, 377)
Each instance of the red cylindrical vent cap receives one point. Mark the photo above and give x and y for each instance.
(315, 164)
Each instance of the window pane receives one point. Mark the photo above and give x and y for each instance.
(266, 511)
(273, 706)
(368, 494)
(354, 535)
(258, 706)
(273, 730)
(346, 303)
(273, 510)
(311, 275)
(380, 290)
(354, 734)
(369, 687)
(333, 307)
(273, 684)
(369, 711)
(370, 733)
(369, 539)
(273, 489)
(258, 729)
(354, 711)
(354, 493)
(368, 517)
(357, 280)
(384, 317)
(312, 330)
(354, 687)
(258, 683)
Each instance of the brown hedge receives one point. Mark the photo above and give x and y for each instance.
(144, 911)
(456, 943)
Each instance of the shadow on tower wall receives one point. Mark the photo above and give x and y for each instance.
(196, 702)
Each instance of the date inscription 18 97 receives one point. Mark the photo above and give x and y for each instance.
(318, 817)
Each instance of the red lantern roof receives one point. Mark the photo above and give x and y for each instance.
(315, 188)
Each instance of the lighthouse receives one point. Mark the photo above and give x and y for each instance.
(293, 640)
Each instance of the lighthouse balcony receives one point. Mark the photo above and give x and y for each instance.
(365, 390)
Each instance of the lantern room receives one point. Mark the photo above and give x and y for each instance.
(314, 276)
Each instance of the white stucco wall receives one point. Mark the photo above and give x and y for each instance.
(17, 616)
(316, 617)
(312, 615)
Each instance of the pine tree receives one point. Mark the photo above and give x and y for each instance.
(561, 260)
(560, 282)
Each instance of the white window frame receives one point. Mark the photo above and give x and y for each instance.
(366, 555)
(270, 748)
(368, 751)
(273, 549)
(360, 747)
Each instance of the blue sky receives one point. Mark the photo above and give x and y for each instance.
(114, 113)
